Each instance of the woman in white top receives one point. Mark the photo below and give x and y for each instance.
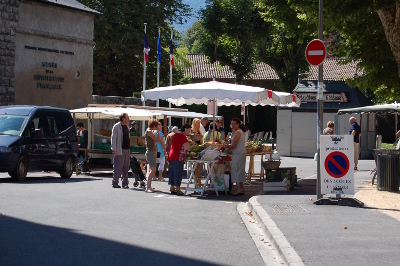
(238, 147)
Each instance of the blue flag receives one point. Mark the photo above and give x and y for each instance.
(159, 49)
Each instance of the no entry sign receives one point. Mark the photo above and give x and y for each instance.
(337, 164)
(315, 52)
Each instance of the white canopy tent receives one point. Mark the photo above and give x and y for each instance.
(288, 99)
(114, 113)
(390, 108)
(91, 113)
(182, 114)
(223, 94)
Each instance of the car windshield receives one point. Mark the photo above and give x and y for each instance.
(12, 124)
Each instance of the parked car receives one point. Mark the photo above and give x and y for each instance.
(37, 138)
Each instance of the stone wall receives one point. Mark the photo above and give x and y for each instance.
(53, 55)
(9, 17)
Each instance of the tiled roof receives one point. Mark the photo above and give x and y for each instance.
(71, 4)
(334, 70)
(202, 69)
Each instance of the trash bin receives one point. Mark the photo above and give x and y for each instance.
(388, 168)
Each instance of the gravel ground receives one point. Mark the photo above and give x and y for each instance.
(385, 201)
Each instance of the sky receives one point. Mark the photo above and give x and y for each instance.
(196, 5)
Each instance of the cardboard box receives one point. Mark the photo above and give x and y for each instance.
(141, 141)
(134, 141)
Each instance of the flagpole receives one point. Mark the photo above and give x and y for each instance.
(158, 63)
(144, 67)
(144, 80)
(170, 81)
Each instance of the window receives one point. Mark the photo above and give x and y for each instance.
(11, 124)
(59, 123)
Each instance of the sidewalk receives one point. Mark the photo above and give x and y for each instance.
(309, 234)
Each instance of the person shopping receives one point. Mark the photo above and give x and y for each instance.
(220, 128)
(120, 146)
(330, 128)
(238, 148)
(196, 125)
(209, 134)
(151, 151)
(176, 158)
(161, 150)
(355, 131)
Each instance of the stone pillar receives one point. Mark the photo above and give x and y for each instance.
(9, 16)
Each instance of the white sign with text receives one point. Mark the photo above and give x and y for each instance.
(337, 161)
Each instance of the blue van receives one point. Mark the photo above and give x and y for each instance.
(37, 138)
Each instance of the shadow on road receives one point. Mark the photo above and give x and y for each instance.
(48, 179)
(27, 243)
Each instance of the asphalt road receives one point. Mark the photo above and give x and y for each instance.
(84, 221)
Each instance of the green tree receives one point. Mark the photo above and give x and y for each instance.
(192, 38)
(228, 33)
(282, 39)
(119, 35)
(370, 34)
(241, 33)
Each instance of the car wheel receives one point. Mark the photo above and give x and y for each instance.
(21, 169)
(67, 168)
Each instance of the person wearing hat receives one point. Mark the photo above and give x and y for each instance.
(132, 130)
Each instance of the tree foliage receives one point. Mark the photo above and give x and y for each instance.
(241, 33)
(228, 30)
(362, 38)
(192, 38)
(283, 38)
(119, 37)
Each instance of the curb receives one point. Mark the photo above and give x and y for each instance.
(275, 235)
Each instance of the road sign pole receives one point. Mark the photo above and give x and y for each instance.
(320, 104)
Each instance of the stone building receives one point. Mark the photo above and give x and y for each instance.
(46, 53)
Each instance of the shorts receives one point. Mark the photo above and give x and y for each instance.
(151, 157)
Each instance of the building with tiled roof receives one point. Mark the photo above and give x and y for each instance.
(73, 4)
(201, 69)
(296, 127)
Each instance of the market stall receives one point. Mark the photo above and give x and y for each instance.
(221, 94)
(99, 140)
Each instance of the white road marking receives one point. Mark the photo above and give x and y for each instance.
(310, 177)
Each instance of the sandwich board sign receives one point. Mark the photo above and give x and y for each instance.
(337, 161)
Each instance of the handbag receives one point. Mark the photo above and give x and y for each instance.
(158, 154)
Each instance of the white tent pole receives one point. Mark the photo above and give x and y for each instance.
(395, 133)
(213, 135)
(244, 113)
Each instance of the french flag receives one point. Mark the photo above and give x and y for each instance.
(171, 54)
(146, 49)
